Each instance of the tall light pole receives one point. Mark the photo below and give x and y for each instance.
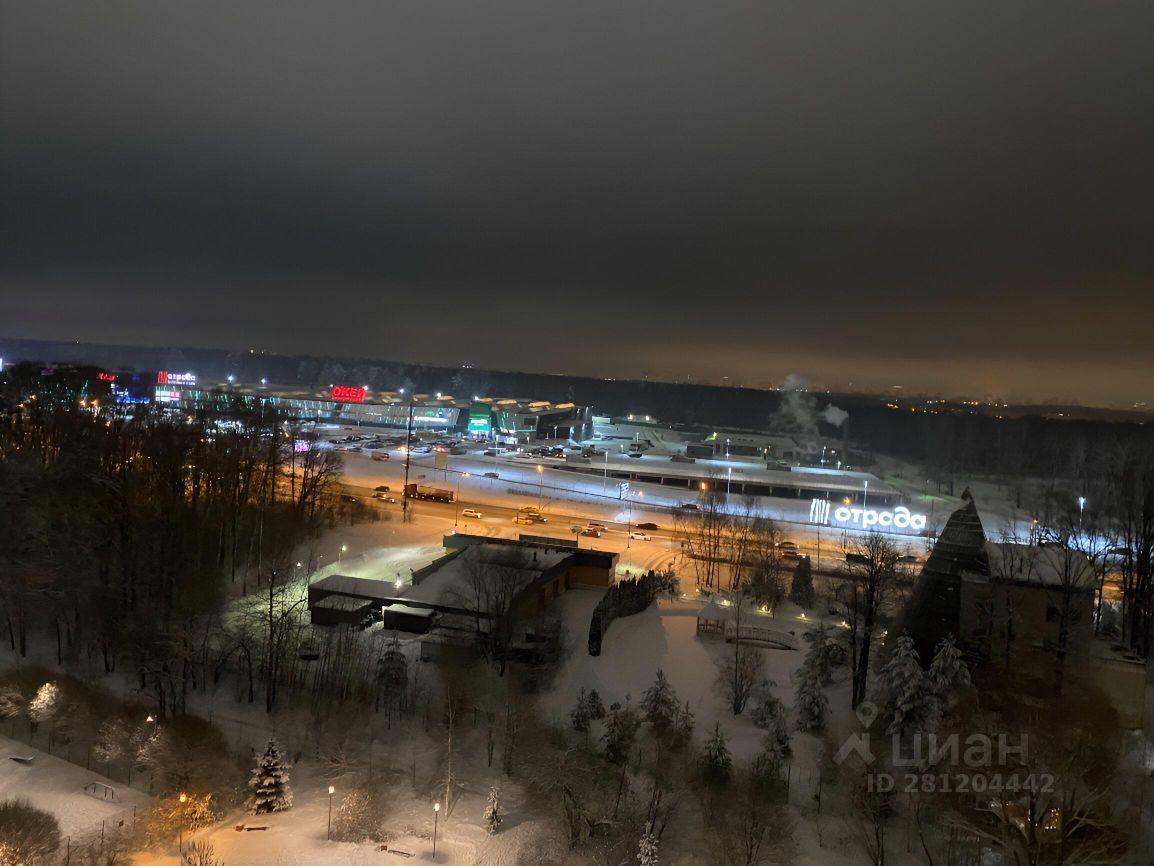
(180, 842)
(436, 815)
(405, 517)
(1081, 509)
(866, 494)
(457, 507)
(540, 485)
(344, 549)
(329, 831)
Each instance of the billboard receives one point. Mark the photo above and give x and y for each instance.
(167, 377)
(348, 394)
(480, 419)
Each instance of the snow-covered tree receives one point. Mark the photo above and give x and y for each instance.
(903, 691)
(810, 701)
(44, 706)
(493, 815)
(11, 701)
(716, 762)
(801, 590)
(595, 705)
(620, 728)
(113, 740)
(948, 672)
(269, 784)
(579, 715)
(660, 705)
(681, 733)
(769, 714)
(647, 848)
(27, 834)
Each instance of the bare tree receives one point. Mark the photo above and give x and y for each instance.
(872, 564)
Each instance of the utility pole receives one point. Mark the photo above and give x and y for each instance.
(405, 517)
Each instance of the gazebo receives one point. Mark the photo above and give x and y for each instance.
(712, 618)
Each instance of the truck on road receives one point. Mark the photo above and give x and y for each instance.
(426, 491)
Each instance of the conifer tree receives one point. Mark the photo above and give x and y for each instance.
(269, 784)
(493, 815)
(716, 762)
(659, 704)
(579, 715)
(595, 706)
(810, 702)
(801, 590)
(903, 690)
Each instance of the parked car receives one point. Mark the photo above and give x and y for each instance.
(471, 512)
(380, 455)
(382, 488)
(639, 536)
(690, 506)
(591, 533)
(635, 454)
(492, 475)
(490, 452)
(651, 527)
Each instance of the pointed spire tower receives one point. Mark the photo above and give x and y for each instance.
(934, 609)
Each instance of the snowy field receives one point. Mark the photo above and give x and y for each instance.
(57, 786)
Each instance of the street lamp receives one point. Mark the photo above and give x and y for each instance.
(540, 485)
(457, 508)
(344, 549)
(1081, 509)
(180, 839)
(436, 815)
(866, 494)
(329, 831)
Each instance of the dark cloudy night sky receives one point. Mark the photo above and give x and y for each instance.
(957, 196)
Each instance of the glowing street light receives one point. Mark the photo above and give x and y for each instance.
(436, 815)
(329, 831)
(344, 549)
(180, 839)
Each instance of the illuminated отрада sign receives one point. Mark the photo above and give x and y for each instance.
(165, 377)
(348, 394)
(865, 518)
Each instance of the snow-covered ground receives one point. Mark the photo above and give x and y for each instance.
(57, 786)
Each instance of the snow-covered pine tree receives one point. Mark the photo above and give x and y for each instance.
(821, 653)
(681, 734)
(770, 716)
(595, 705)
(620, 728)
(647, 848)
(493, 815)
(948, 672)
(716, 762)
(810, 701)
(801, 590)
(903, 690)
(579, 715)
(659, 704)
(269, 784)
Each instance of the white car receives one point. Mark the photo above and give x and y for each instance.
(471, 512)
(639, 536)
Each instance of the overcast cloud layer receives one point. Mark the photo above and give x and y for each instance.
(956, 196)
